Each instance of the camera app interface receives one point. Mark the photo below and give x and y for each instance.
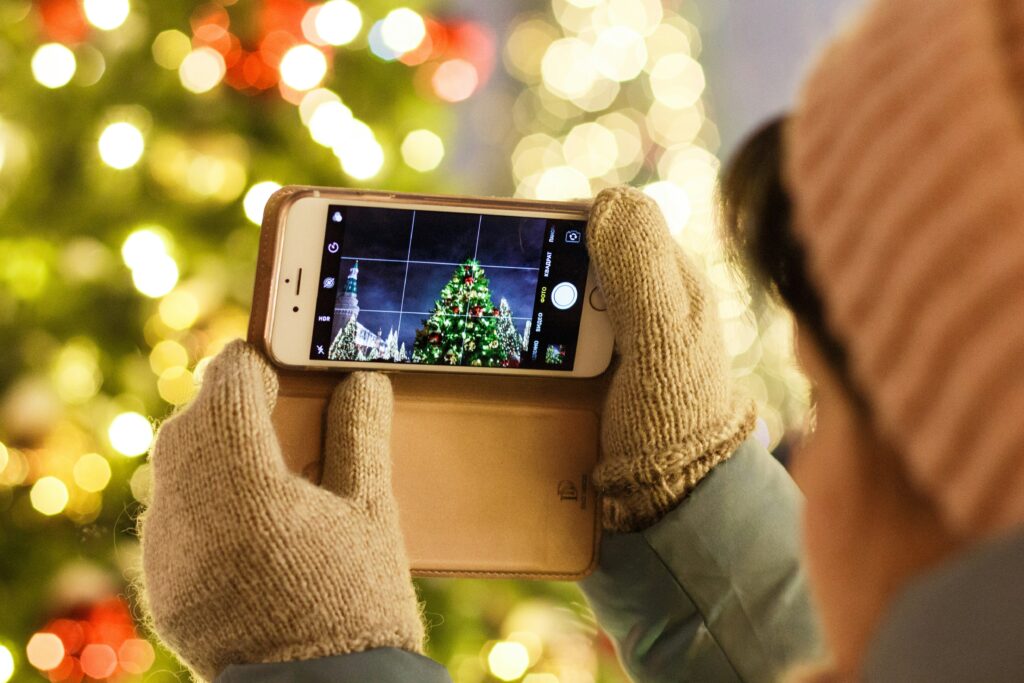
(445, 288)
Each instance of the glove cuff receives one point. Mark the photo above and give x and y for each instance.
(630, 504)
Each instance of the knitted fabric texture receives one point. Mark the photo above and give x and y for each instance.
(245, 562)
(671, 414)
(906, 160)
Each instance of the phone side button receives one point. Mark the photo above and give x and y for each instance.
(597, 301)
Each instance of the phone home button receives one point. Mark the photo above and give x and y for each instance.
(597, 301)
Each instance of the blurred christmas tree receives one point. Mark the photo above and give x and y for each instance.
(138, 143)
(464, 326)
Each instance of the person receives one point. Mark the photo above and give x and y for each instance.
(887, 213)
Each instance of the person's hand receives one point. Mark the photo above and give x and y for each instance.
(671, 414)
(245, 562)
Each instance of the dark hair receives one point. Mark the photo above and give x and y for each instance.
(757, 217)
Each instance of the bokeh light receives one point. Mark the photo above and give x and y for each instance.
(121, 145)
(167, 354)
(256, 199)
(562, 183)
(98, 660)
(568, 68)
(422, 150)
(49, 496)
(170, 48)
(4, 457)
(338, 22)
(673, 203)
(201, 70)
(92, 472)
(130, 434)
(303, 67)
(402, 30)
(592, 149)
(508, 660)
(327, 123)
(677, 81)
(6, 663)
(136, 656)
(44, 651)
(179, 309)
(157, 277)
(176, 385)
(620, 53)
(361, 156)
(455, 80)
(140, 245)
(106, 15)
(53, 65)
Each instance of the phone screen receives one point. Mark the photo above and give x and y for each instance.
(448, 288)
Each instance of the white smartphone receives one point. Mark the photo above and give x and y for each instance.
(434, 284)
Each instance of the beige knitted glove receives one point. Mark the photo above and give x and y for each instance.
(671, 414)
(245, 562)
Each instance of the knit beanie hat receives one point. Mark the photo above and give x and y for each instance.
(906, 161)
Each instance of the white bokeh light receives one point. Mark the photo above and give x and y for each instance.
(121, 145)
(562, 182)
(106, 15)
(568, 68)
(156, 276)
(303, 67)
(327, 123)
(130, 434)
(403, 30)
(53, 65)
(256, 199)
(360, 154)
(201, 70)
(338, 22)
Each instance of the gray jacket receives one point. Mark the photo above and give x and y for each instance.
(715, 592)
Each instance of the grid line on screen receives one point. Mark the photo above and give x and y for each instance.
(430, 263)
(408, 253)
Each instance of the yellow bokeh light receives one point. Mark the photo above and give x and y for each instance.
(45, 651)
(167, 354)
(360, 154)
(422, 150)
(534, 153)
(561, 183)
(130, 434)
(15, 471)
(669, 127)
(592, 149)
(620, 53)
(403, 30)
(49, 496)
(338, 22)
(642, 16)
(541, 678)
(677, 81)
(568, 68)
(170, 48)
(106, 15)
(525, 47)
(628, 140)
(6, 664)
(141, 483)
(666, 39)
(256, 199)
(179, 310)
(328, 121)
(92, 472)
(176, 385)
(53, 65)
(201, 70)
(4, 457)
(76, 374)
(303, 67)
(121, 145)
(508, 660)
(157, 277)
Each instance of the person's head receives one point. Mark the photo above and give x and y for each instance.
(886, 211)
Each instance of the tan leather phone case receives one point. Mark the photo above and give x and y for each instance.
(491, 473)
